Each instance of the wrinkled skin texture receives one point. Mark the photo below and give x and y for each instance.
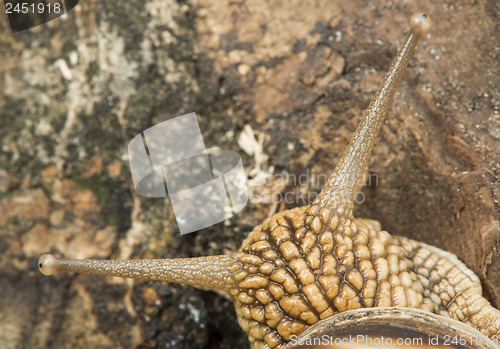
(300, 267)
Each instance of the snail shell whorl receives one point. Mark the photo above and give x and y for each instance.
(391, 327)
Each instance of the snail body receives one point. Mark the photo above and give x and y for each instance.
(309, 264)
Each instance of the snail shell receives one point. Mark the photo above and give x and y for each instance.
(390, 327)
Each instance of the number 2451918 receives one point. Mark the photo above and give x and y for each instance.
(26, 7)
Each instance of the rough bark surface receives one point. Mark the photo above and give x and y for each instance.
(75, 91)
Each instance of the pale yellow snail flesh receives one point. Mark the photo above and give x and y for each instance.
(307, 264)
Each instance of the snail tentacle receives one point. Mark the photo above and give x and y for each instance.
(348, 176)
(209, 272)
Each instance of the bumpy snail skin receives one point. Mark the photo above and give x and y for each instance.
(309, 263)
(294, 274)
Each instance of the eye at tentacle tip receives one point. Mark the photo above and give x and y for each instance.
(420, 23)
(48, 264)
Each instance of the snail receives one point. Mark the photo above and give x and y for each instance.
(307, 266)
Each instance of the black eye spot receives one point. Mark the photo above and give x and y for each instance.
(424, 15)
(40, 265)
